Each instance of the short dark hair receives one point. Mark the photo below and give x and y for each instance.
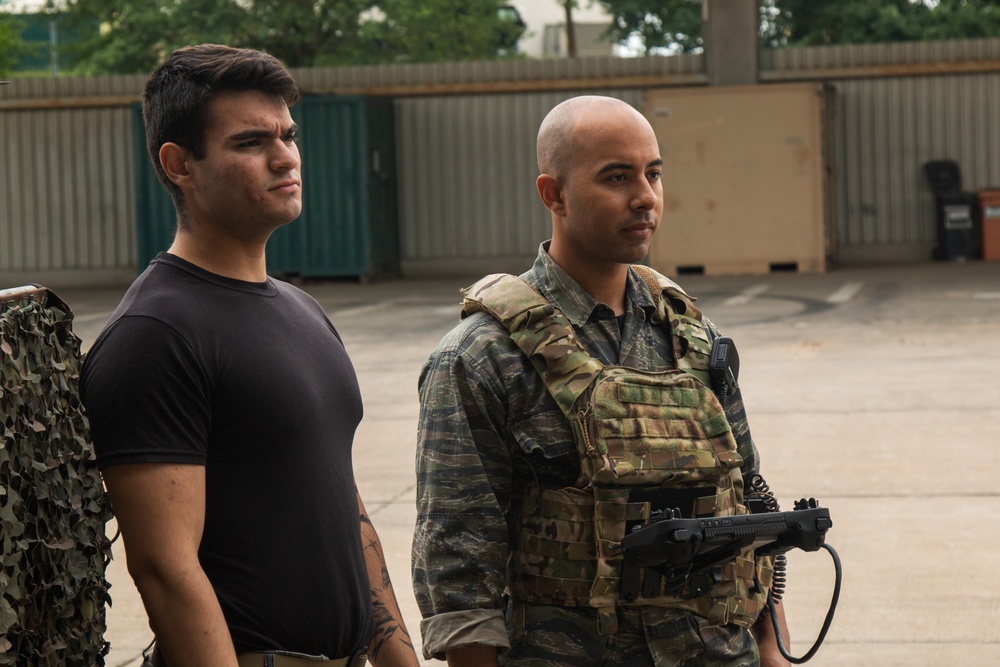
(177, 95)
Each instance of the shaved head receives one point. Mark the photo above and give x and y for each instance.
(556, 144)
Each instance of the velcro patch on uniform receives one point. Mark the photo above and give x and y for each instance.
(639, 427)
(655, 395)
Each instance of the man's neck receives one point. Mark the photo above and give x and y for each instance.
(221, 255)
(605, 284)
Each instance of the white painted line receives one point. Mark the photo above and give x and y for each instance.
(360, 310)
(986, 295)
(845, 293)
(91, 317)
(747, 295)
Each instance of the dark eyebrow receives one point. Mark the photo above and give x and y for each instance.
(261, 134)
(627, 166)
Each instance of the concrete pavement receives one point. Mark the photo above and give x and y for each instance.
(873, 390)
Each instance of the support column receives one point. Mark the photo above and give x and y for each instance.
(729, 29)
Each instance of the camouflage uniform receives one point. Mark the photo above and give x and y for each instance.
(488, 420)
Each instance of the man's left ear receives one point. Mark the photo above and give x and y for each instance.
(173, 159)
(550, 190)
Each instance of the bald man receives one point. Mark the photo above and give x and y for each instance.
(528, 474)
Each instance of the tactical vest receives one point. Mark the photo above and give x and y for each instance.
(647, 441)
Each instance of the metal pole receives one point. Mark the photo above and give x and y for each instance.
(54, 46)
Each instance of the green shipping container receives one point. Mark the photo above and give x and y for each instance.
(349, 223)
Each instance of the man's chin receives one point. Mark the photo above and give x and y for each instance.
(635, 253)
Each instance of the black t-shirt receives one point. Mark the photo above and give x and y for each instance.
(252, 381)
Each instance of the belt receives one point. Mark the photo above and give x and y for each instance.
(277, 659)
(272, 659)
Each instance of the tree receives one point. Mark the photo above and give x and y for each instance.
(12, 46)
(672, 25)
(807, 22)
(675, 25)
(307, 33)
(962, 19)
(137, 34)
(442, 30)
(568, 7)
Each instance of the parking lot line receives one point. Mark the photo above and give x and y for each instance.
(747, 295)
(845, 293)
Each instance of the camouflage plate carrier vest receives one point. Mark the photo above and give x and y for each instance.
(640, 435)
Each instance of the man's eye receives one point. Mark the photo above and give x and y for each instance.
(655, 175)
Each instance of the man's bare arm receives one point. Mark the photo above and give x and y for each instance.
(160, 509)
(767, 641)
(391, 645)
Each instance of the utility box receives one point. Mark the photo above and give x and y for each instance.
(989, 214)
(954, 232)
(954, 209)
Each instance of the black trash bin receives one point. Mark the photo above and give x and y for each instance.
(954, 211)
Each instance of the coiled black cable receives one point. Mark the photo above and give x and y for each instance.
(780, 577)
(759, 489)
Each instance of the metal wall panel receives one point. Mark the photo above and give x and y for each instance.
(416, 79)
(886, 129)
(466, 147)
(943, 56)
(467, 169)
(66, 190)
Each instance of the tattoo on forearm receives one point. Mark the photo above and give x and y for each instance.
(386, 627)
(388, 623)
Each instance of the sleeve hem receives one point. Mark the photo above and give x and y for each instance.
(474, 627)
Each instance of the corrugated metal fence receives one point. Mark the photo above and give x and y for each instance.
(467, 173)
(66, 179)
(465, 149)
(897, 107)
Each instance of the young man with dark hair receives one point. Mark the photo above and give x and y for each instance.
(223, 404)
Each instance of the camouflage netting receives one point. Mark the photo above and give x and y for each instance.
(53, 510)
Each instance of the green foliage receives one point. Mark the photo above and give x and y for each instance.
(806, 23)
(809, 23)
(963, 19)
(137, 34)
(53, 509)
(674, 25)
(12, 47)
(441, 30)
(305, 33)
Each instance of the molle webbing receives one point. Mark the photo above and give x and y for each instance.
(639, 434)
(541, 331)
(549, 341)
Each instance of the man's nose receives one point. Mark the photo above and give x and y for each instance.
(285, 156)
(646, 195)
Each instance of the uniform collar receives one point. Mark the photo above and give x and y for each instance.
(577, 305)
